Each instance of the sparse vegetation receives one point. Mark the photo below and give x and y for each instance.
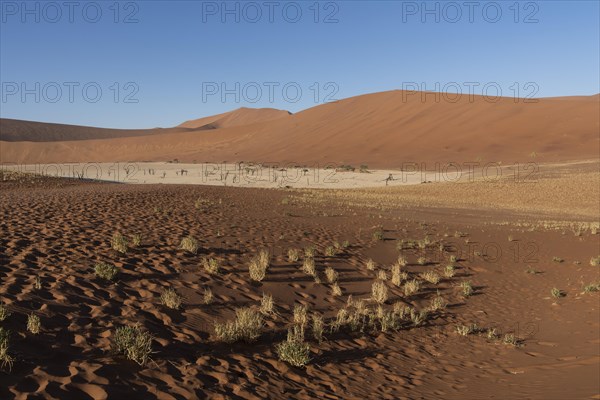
(371, 265)
(464, 330)
(378, 235)
(133, 343)
(466, 288)
(449, 271)
(6, 360)
(310, 251)
(266, 304)
(293, 255)
(437, 303)
(592, 287)
(318, 325)
(382, 275)
(189, 244)
(4, 312)
(119, 243)
(211, 266)
(421, 261)
(556, 293)
(246, 326)
(595, 261)
(430, 277)
(331, 274)
(259, 265)
(336, 290)
(294, 350)
(379, 292)
(169, 298)
(33, 323)
(411, 287)
(557, 259)
(208, 297)
(136, 240)
(330, 251)
(308, 266)
(106, 271)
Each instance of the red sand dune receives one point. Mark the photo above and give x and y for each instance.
(381, 130)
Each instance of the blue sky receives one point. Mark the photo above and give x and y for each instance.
(158, 63)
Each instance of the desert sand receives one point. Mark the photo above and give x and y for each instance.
(427, 286)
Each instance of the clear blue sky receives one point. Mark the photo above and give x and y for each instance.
(178, 50)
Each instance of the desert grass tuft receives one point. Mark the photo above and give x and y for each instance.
(556, 293)
(382, 275)
(294, 350)
(119, 243)
(336, 290)
(134, 343)
(449, 271)
(293, 255)
(6, 360)
(592, 287)
(266, 304)
(259, 265)
(246, 326)
(207, 297)
(169, 298)
(411, 287)
(398, 275)
(595, 261)
(34, 324)
(331, 274)
(106, 271)
(310, 251)
(379, 292)
(430, 277)
(330, 251)
(466, 288)
(318, 326)
(308, 266)
(4, 312)
(136, 240)
(211, 265)
(189, 244)
(418, 317)
(370, 265)
(437, 304)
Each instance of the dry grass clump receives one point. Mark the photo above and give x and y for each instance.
(119, 243)
(430, 277)
(259, 265)
(33, 323)
(449, 271)
(136, 240)
(318, 326)
(295, 351)
(293, 255)
(466, 288)
(4, 312)
(336, 290)
(465, 330)
(169, 298)
(331, 275)
(300, 315)
(411, 287)
(207, 297)
(379, 292)
(211, 265)
(133, 343)
(266, 304)
(382, 275)
(557, 259)
(418, 317)
(6, 361)
(556, 293)
(437, 303)
(308, 266)
(371, 265)
(106, 271)
(310, 251)
(595, 261)
(422, 261)
(510, 340)
(592, 287)
(345, 244)
(247, 326)
(189, 244)
(330, 251)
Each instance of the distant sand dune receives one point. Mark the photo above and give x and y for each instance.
(382, 130)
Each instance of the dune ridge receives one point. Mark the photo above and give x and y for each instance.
(382, 130)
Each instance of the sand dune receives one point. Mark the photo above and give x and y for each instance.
(381, 130)
(241, 116)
